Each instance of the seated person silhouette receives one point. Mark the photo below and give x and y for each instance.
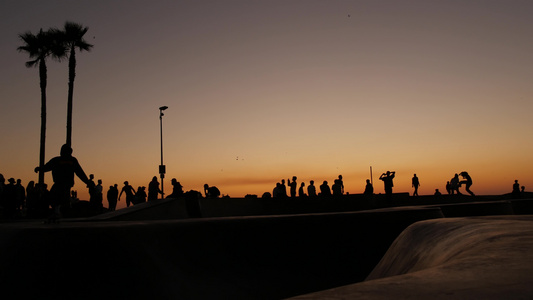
(177, 189)
(369, 189)
(211, 191)
(325, 191)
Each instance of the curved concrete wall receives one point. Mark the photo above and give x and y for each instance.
(459, 258)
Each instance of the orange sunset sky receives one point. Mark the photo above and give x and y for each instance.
(263, 90)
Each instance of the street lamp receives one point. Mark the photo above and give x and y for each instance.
(162, 169)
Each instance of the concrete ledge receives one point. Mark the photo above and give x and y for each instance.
(183, 208)
(214, 258)
(458, 258)
(522, 206)
(476, 209)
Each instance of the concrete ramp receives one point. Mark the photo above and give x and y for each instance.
(184, 208)
(461, 258)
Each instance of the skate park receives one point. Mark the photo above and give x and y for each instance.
(246, 248)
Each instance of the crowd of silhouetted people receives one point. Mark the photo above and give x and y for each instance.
(324, 190)
(35, 200)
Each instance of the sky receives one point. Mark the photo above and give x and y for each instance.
(260, 91)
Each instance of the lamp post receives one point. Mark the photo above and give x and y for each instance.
(162, 169)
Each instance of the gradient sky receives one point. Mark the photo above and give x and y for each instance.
(263, 90)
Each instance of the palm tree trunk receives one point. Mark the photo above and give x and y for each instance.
(71, 76)
(43, 81)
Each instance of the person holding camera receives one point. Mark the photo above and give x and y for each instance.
(387, 181)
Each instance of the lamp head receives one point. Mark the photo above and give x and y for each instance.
(163, 108)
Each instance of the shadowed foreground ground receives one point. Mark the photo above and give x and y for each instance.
(164, 250)
(457, 258)
(260, 257)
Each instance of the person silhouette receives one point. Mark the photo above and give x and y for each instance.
(325, 191)
(455, 184)
(369, 189)
(341, 183)
(112, 196)
(437, 193)
(387, 181)
(92, 189)
(98, 197)
(292, 185)
(448, 188)
(311, 189)
(337, 187)
(415, 184)
(282, 189)
(21, 196)
(516, 189)
(277, 190)
(211, 191)
(301, 192)
(153, 189)
(140, 196)
(130, 193)
(467, 182)
(31, 199)
(177, 189)
(63, 168)
(9, 203)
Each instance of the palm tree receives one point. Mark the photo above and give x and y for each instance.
(39, 47)
(72, 38)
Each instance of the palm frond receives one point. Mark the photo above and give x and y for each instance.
(73, 36)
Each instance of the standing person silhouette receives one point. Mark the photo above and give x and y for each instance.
(21, 196)
(311, 189)
(130, 193)
(387, 181)
(276, 191)
(10, 199)
(341, 184)
(140, 196)
(63, 168)
(415, 184)
(283, 189)
(92, 189)
(112, 196)
(99, 197)
(516, 189)
(292, 185)
(369, 189)
(153, 189)
(337, 187)
(467, 182)
(301, 192)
